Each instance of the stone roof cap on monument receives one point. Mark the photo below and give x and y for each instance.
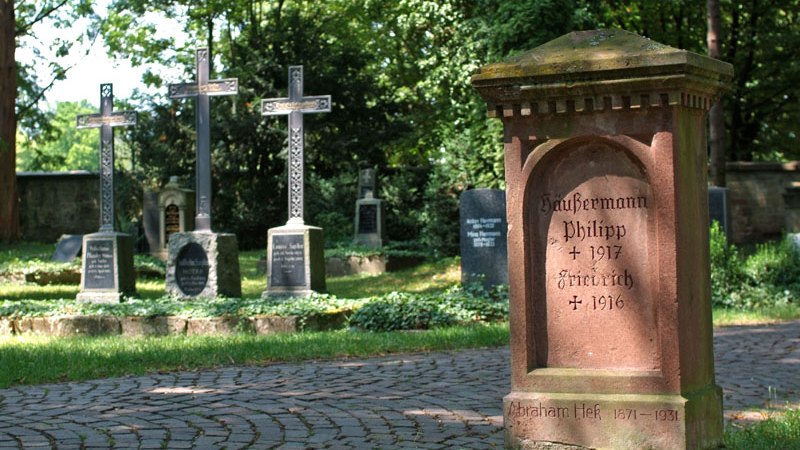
(604, 68)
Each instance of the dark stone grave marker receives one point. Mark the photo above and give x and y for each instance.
(484, 250)
(99, 264)
(288, 260)
(295, 106)
(719, 209)
(191, 269)
(107, 270)
(68, 248)
(221, 249)
(368, 219)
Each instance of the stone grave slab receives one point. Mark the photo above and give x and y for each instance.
(203, 265)
(610, 309)
(719, 208)
(484, 230)
(68, 248)
(107, 274)
(295, 261)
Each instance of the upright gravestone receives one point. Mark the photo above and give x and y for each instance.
(605, 156)
(719, 208)
(295, 254)
(107, 273)
(484, 251)
(370, 224)
(68, 248)
(175, 211)
(203, 263)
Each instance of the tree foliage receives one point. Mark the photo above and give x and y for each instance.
(399, 76)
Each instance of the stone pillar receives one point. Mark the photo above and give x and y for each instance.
(605, 159)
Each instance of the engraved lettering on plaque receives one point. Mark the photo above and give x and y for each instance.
(288, 266)
(594, 218)
(191, 269)
(99, 264)
(172, 220)
(367, 219)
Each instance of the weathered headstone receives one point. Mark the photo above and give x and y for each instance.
(68, 248)
(605, 156)
(295, 254)
(370, 222)
(719, 208)
(202, 263)
(175, 211)
(107, 268)
(484, 251)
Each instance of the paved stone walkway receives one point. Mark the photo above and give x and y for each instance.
(425, 401)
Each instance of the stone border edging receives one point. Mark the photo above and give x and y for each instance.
(134, 326)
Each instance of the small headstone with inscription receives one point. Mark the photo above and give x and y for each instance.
(484, 251)
(295, 254)
(176, 212)
(370, 223)
(201, 263)
(611, 337)
(719, 208)
(68, 248)
(107, 268)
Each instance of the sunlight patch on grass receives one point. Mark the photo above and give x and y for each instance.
(36, 359)
(773, 314)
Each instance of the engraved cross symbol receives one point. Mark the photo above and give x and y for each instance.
(201, 89)
(106, 120)
(295, 106)
(574, 252)
(575, 302)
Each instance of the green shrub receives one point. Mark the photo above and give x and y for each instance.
(773, 433)
(409, 311)
(768, 277)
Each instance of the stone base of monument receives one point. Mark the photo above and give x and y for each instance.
(295, 261)
(107, 273)
(620, 421)
(201, 264)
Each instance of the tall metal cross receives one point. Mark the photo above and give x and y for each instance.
(295, 106)
(203, 88)
(106, 120)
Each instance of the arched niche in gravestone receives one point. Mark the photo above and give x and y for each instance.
(593, 220)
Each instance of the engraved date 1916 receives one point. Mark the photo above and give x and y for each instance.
(659, 415)
(599, 303)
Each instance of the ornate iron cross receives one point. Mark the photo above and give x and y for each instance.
(106, 121)
(202, 88)
(295, 106)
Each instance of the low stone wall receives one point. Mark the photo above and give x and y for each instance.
(758, 210)
(56, 203)
(79, 325)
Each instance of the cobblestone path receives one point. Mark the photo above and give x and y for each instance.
(424, 401)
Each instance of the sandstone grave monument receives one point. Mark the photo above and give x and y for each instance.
(605, 160)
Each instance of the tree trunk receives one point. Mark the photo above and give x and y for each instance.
(716, 117)
(9, 212)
